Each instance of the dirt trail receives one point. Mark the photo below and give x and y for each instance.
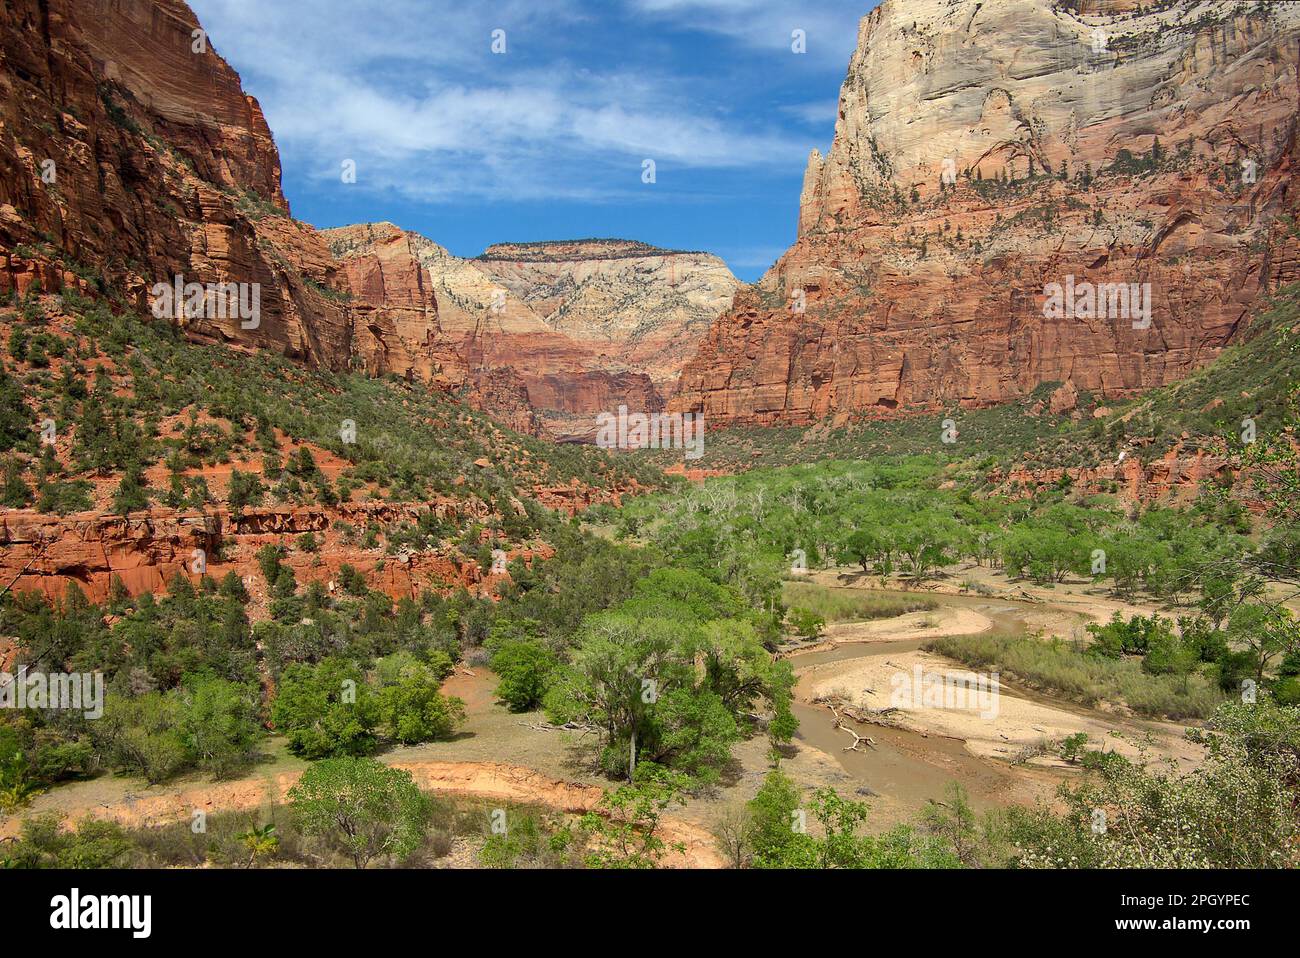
(489, 780)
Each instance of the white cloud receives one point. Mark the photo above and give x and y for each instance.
(410, 90)
(830, 26)
(818, 113)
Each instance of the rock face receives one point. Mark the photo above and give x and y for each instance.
(581, 328)
(129, 154)
(148, 549)
(1178, 477)
(989, 156)
(46, 553)
(628, 302)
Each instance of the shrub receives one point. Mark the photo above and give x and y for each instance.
(525, 668)
(361, 808)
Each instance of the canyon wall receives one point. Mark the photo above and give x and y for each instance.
(129, 154)
(628, 302)
(583, 327)
(985, 151)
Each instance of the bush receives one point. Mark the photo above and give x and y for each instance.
(65, 497)
(525, 668)
(326, 710)
(415, 711)
(806, 623)
(209, 724)
(361, 808)
(245, 490)
(44, 843)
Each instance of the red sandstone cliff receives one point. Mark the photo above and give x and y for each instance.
(1105, 141)
(129, 154)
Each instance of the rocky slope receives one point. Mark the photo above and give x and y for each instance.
(242, 450)
(984, 151)
(582, 327)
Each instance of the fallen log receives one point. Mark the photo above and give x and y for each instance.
(858, 740)
(864, 716)
(548, 727)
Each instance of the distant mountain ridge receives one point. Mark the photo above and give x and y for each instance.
(590, 326)
(591, 248)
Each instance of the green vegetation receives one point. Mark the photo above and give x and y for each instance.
(1070, 670)
(653, 631)
(1237, 811)
(277, 838)
(362, 808)
(842, 605)
(669, 675)
(412, 444)
(781, 829)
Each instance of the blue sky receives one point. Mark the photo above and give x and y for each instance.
(548, 140)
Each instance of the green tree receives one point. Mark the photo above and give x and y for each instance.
(525, 667)
(806, 623)
(616, 674)
(142, 735)
(775, 823)
(326, 710)
(414, 710)
(14, 492)
(219, 723)
(245, 490)
(131, 495)
(361, 808)
(1270, 632)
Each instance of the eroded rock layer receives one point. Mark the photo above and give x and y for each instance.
(626, 301)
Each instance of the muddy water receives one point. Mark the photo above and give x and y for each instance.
(910, 766)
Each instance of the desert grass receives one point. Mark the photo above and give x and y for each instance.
(851, 605)
(1066, 669)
